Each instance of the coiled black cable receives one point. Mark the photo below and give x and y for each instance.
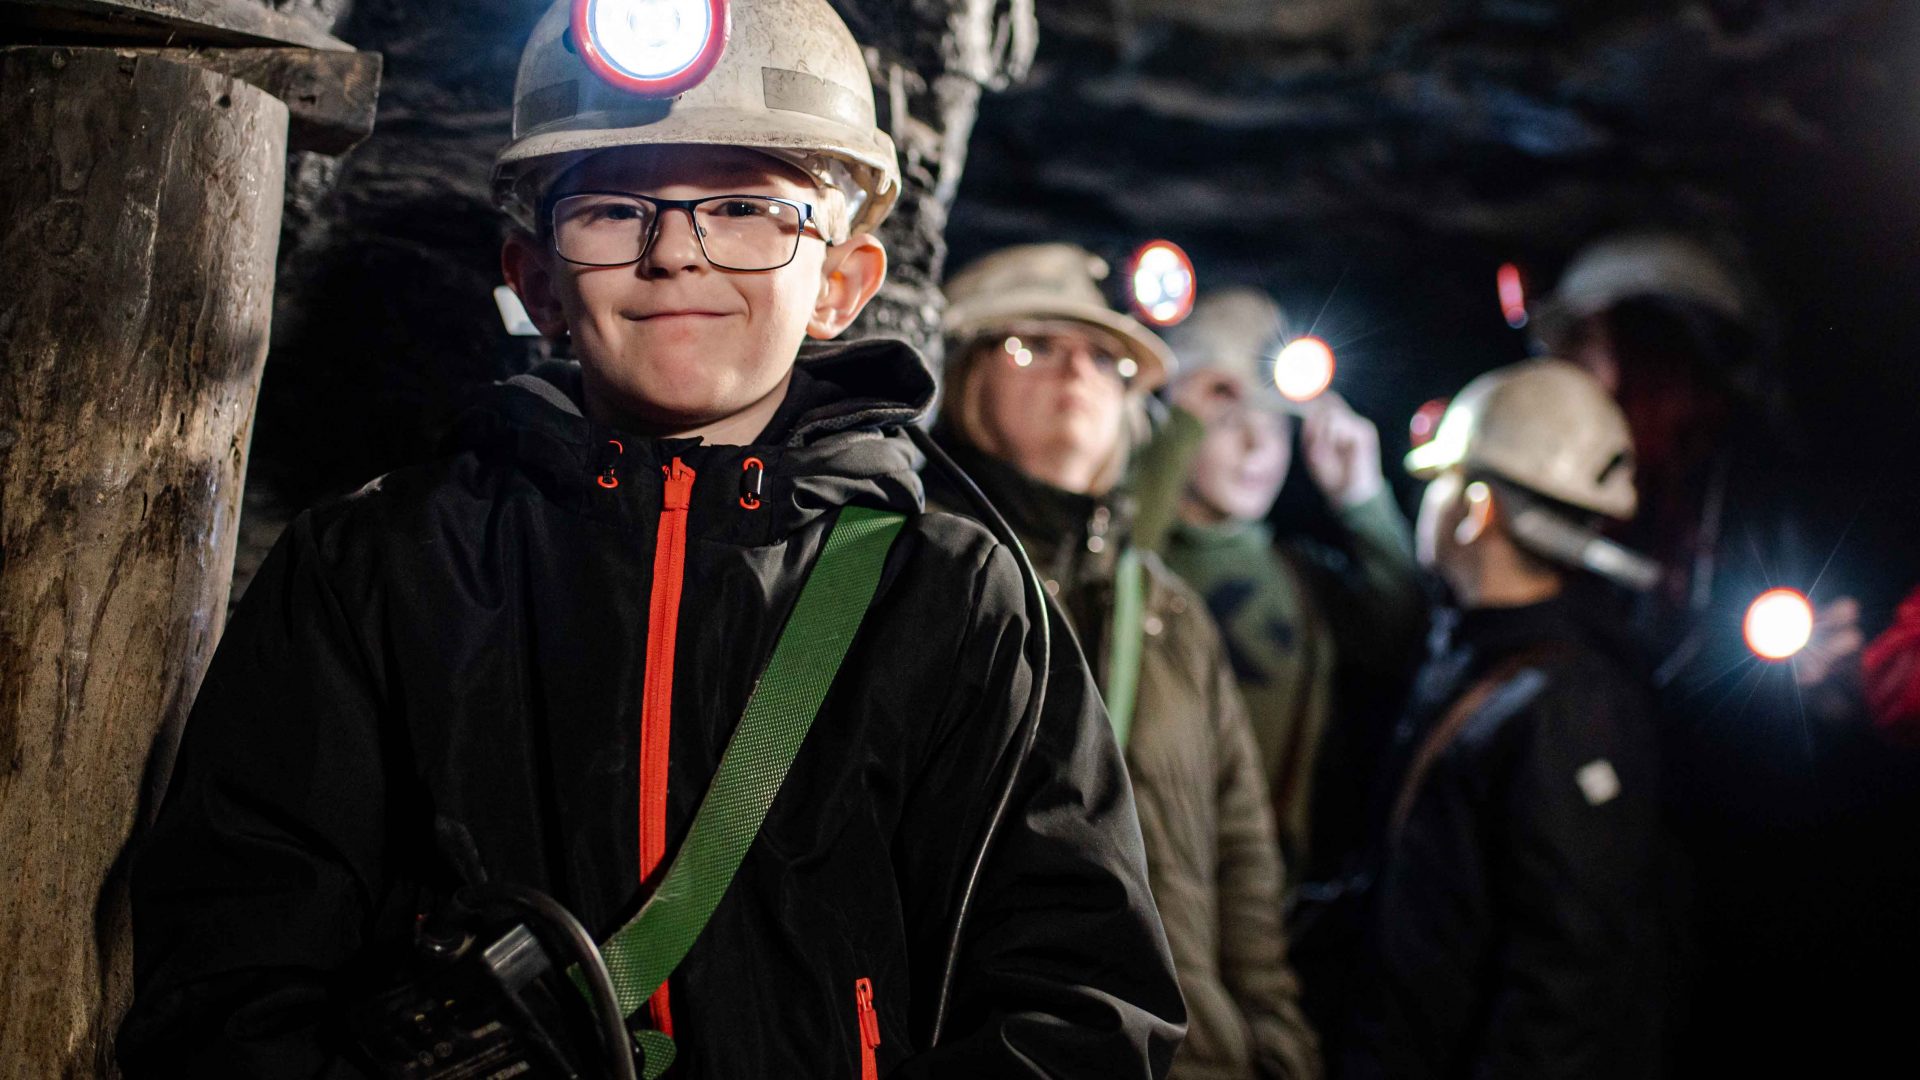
(547, 912)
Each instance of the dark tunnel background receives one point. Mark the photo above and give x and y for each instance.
(1372, 162)
(1374, 171)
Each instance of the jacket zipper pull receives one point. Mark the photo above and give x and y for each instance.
(869, 1029)
(610, 463)
(679, 493)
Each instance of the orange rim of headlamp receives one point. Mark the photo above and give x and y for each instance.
(679, 82)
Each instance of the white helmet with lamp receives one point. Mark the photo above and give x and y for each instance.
(1239, 330)
(784, 77)
(1549, 429)
(1644, 264)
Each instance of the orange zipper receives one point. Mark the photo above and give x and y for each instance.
(656, 703)
(869, 1029)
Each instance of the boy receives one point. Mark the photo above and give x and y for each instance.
(523, 663)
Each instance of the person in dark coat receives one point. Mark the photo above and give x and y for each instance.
(1781, 763)
(1520, 911)
(521, 664)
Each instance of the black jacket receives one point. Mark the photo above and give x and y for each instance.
(1522, 917)
(453, 658)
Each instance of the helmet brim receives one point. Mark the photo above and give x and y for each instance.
(796, 134)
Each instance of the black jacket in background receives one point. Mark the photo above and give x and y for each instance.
(1522, 917)
(453, 658)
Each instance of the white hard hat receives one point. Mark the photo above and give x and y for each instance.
(1545, 426)
(787, 79)
(1048, 281)
(1635, 265)
(1239, 329)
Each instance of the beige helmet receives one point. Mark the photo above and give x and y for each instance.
(1543, 425)
(1547, 428)
(789, 81)
(1632, 265)
(1239, 330)
(1047, 281)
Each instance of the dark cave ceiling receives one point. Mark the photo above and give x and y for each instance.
(1371, 161)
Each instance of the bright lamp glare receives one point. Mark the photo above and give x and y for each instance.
(651, 39)
(1163, 283)
(1304, 369)
(1779, 624)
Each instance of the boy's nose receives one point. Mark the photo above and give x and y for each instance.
(676, 245)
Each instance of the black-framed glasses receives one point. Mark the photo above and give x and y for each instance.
(736, 232)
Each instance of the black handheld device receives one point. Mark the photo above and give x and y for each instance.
(482, 996)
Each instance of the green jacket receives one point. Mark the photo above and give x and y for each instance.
(1212, 862)
(1313, 633)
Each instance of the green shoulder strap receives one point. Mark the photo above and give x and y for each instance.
(811, 648)
(1123, 650)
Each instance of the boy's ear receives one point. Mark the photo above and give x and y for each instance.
(524, 263)
(851, 276)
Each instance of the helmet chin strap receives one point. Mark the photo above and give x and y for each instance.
(1552, 536)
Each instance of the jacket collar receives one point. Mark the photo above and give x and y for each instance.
(1583, 615)
(1228, 536)
(836, 439)
(1069, 536)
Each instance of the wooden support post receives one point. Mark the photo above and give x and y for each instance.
(330, 95)
(140, 206)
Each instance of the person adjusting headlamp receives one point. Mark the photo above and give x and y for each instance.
(1323, 626)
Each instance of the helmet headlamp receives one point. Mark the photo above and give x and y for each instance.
(655, 48)
(1162, 283)
(1304, 369)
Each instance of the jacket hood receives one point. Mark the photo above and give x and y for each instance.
(836, 439)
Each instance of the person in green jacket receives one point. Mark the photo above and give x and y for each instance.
(1322, 638)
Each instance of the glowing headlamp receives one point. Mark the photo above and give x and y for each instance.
(1779, 624)
(657, 48)
(1513, 295)
(1425, 424)
(1163, 283)
(1304, 369)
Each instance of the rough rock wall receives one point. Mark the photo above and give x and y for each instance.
(1539, 119)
